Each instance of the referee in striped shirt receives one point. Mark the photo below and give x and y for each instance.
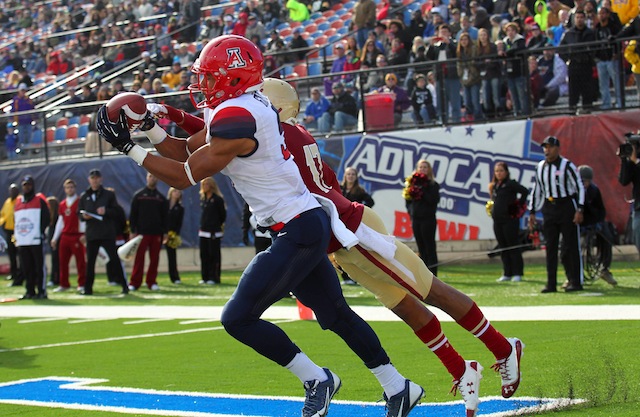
(559, 192)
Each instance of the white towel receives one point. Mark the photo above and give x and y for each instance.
(345, 236)
(384, 245)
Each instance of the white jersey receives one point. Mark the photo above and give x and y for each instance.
(267, 179)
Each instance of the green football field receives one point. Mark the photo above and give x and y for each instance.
(593, 359)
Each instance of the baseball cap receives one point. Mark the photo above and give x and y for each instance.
(337, 84)
(339, 45)
(391, 77)
(165, 48)
(95, 172)
(550, 140)
(145, 54)
(228, 18)
(153, 66)
(28, 179)
(22, 86)
(535, 27)
(529, 21)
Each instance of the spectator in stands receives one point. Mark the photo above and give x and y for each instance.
(7, 222)
(375, 79)
(469, 74)
(466, 27)
(633, 57)
(227, 28)
(337, 66)
(438, 6)
(298, 42)
(536, 83)
(25, 20)
(144, 9)
(398, 55)
(240, 27)
(24, 123)
(514, 45)
(379, 34)
(369, 53)
(352, 63)
(165, 59)
(211, 29)
(316, 108)
(496, 29)
(104, 93)
(255, 28)
(145, 88)
(364, 20)
(401, 100)
(553, 71)
(417, 24)
(607, 62)
(172, 78)
(490, 72)
(553, 17)
(25, 78)
(342, 113)
(455, 24)
(480, 18)
(271, 14)
(255, 39)
(298, 11)
(541, 14)
(153, 73)
(555, 33)
(13, 80)
(537, 39)
(581, 61)
(59, 64)
(182, 53)
(422, 102)
(191, 11)
(157, 87)
(146, 59)
(148, 217)
(117, 86)
(418, 54)
(590, 14)
(397, 30)
(444, 48)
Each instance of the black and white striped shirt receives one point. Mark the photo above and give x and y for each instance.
(556, 180)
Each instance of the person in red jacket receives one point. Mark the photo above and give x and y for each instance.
(59, 64)
(67, 238)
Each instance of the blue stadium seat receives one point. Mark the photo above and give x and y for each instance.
(315, 35)
(36, 138)
(349, 5)
(340, 12)
(83, 130)
(282, 26)
(288, 39)
(324, 26)
(333, 38)
(333, 18)
(343, 30)
(61, 133)
(315, 16)
(75, 120)
(287, 69)
(314, 68)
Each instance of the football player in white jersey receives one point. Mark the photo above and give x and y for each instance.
(243, 139)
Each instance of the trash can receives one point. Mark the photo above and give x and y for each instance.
(378, 111)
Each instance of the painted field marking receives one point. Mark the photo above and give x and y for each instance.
(73, 393)
(40, 320)
(143, 321)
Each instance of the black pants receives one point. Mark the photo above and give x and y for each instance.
(558, 219)
(55, 267)
(113, 266)
(32, 261)
(581, 84)
(507, 236)
(424, 231)
(210, 259)
(174, 275)
(12, 251)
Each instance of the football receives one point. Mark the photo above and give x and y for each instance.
(134, 106)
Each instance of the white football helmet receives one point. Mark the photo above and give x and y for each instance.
(283, 97)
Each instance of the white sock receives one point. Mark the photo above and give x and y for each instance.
(390, 379)
(302, 367)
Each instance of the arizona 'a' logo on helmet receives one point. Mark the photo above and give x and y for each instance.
(228, 67)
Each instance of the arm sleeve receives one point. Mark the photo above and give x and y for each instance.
(58, 230)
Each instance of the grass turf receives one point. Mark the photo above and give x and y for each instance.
(594, 360)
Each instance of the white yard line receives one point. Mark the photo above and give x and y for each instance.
(539, 313)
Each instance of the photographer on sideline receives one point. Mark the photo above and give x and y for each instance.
(630, 173)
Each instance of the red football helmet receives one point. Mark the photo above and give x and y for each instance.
(234, 62)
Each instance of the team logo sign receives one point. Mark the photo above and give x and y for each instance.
(73, 393)
(235, 59)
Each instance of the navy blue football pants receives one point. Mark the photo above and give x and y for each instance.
(297, 262)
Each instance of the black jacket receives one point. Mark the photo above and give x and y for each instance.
(149, 212)
(99, 229)
(360, 196)
(578, 57)
(448, 70)
(630, 174)
(514, 66)
(344, 103)
(176, 215)
(504, 195)
(594, 210)
(426, 207)
(213, 214)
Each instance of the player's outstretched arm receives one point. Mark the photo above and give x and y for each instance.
(169, 146)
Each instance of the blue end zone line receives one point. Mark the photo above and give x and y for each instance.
(73, 393)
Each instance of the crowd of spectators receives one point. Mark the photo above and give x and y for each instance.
(487, 46)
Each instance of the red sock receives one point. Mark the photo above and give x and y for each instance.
(432, 336)
(476, 323)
